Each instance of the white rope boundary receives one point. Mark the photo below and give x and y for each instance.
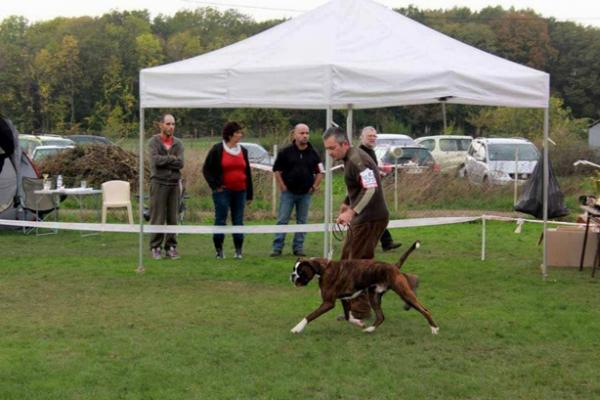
(204, 229)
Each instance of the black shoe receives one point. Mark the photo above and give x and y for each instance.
(299, 253)
(275, 253)
(391, 246)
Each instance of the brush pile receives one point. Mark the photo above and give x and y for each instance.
(94, 163)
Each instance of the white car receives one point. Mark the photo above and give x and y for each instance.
(498, 160)
(41, 152)
(30, 142)
(449, 151)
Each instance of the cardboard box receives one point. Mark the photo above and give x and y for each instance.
(564, 246)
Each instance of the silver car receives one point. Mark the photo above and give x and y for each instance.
(257, 154)
(498, 161)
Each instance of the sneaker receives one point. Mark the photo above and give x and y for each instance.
(172, 253)
(391, 246)
(238, 255)
(220, 254)
(299, 253)
(156, 253)
(275, 253)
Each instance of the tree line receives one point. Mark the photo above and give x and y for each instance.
(71, 75)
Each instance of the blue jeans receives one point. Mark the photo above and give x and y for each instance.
(225, 200)
(287, 202)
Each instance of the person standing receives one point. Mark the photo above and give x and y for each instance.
(368, 140)
(364, 210)
(298, 172)
(166, 162)
(227, 171)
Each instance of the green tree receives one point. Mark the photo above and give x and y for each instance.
(528, 123)
(149, 50)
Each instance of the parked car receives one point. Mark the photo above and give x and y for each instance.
(30, 142)
(449, 151)
(410, 159)
(494, 160)
(257, 154)
(41, 152)
(89, 139)
(387, 140)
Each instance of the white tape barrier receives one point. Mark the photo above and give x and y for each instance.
(269, 168)
(204, 229)
(520, 221)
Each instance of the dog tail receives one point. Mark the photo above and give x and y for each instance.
(404, 256)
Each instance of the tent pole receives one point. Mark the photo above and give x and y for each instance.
(328, 192)
(483, 233)
(545, 194)
(140, 267)
(444, 116)
(349, 123)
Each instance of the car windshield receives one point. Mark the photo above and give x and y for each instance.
(507, 151)
(56, 142)
(420, 156)
(454, 144)
(43, 153)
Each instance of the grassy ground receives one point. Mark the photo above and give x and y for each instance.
(78, 323)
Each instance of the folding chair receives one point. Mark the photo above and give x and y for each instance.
(38, 205)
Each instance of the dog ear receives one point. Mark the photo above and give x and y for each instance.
(317, 264)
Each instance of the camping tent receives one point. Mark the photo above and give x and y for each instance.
(345, 54)
(14, 165)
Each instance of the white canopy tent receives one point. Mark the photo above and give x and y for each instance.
(346, 54)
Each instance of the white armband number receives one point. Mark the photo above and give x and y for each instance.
(367, 179)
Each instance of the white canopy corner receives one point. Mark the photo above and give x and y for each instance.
(345, 52)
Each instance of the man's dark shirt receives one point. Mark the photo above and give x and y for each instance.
(298, 167)
(369, 151)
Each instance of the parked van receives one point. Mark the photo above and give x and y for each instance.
(449, 151)
(498, 160)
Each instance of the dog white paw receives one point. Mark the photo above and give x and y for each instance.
(434, 330)
(370, 329)
(300, 327)
(356, 322)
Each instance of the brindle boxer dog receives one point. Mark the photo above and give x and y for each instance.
(347, 279)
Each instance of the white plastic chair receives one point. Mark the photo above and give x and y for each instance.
(116, 194)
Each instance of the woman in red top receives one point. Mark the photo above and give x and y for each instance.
(227, 171)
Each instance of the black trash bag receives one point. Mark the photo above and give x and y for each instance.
(531, 200)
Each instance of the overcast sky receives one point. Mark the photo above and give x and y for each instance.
(586, 12)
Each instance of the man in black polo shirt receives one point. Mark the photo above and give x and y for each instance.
(298, 172)
(368, 139)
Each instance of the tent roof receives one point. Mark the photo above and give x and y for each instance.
(345, 52)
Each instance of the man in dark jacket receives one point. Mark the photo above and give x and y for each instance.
(298, 172)
(368, 140)
(166, 162)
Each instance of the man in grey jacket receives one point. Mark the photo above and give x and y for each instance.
(166, 162)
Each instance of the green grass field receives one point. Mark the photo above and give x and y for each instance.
(79, 323)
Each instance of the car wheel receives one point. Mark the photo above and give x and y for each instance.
(461, 172)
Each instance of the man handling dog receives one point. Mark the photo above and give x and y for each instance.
(363, 211)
